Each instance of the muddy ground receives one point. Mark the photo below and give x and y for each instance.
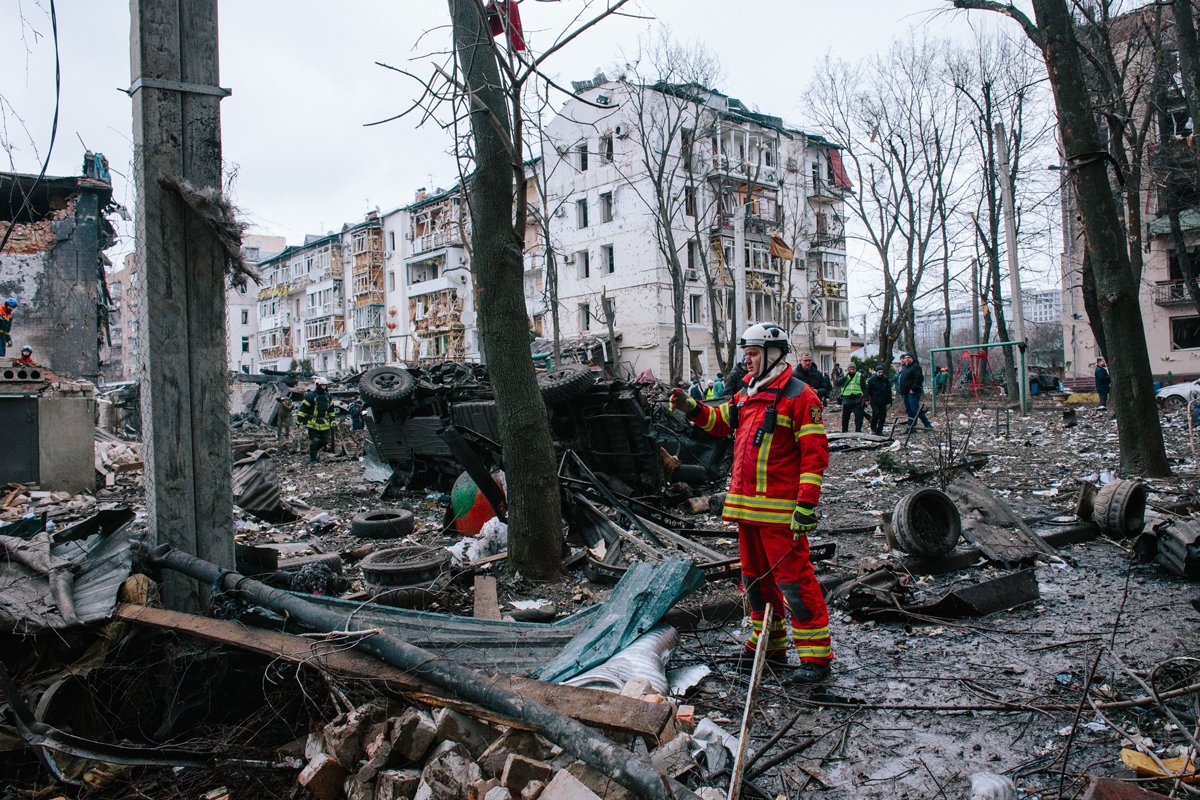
(912, 709)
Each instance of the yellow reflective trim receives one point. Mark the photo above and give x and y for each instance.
(760, 483)
(776, 517)
(783, 420)
(808, 430)
(710, 421)
(811, 477)
(806, 634)
(762, 502)
(814, 652)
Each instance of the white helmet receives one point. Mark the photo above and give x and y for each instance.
(321, 380)
(764, 335)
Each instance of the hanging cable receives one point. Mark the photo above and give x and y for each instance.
(53, 129)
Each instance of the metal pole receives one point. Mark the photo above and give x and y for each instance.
(1014, 279)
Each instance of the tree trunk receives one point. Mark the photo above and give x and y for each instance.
(1140, 434)
(1091, 303)
(535, 518)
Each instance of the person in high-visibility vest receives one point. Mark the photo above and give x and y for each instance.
(317, 414)
(780, 457)
(852, 397)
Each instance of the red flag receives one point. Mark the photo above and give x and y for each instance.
(504, 16)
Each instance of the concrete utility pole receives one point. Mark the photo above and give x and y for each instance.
(185, 397)
(1014, 279)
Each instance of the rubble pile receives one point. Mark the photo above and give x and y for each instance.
(1007, 611)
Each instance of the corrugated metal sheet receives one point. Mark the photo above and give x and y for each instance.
(99, 547)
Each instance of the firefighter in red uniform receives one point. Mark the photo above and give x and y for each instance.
(780, 457)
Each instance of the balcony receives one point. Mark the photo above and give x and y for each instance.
(432, 241)
(283, 350)
(827, 240)
(275, 321)
(823, 191)
(325, 343)
(369, 334)
(1171, 293)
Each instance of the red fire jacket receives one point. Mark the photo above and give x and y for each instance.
(785, 465)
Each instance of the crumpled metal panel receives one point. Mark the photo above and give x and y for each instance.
(95, 557)
(646, 658)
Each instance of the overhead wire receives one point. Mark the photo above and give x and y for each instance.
(25, 201)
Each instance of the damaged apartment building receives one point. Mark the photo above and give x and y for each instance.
(757, 215)
(53, 264)
(322, 303)
(1168, 185)
(756, 212)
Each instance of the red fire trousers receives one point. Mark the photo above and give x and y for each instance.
(776, 570)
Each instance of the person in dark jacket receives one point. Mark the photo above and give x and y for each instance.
(910, 386)
(808, 372)
(853, 391)
(1103, 382)
(696, 391)
(879, 395)
(317, 415)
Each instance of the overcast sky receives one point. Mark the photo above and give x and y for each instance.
(304, 83)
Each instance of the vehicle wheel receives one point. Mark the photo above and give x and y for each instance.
(386, 387)
(1174, 403)
(389, 523)
(1120, 509)
(562, 384)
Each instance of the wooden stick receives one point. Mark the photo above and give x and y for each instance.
(760, 657)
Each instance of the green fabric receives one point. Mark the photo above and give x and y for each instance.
(644, 594)
(853, 385)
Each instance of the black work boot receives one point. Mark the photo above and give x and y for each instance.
(809, 672)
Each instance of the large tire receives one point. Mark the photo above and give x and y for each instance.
(1174, 403)
(391, 523)
(386, 387)
(926, 523)
(563, 384)
(1120, 509)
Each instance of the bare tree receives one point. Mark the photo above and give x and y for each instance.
(897, 123)
(998, 81)
(487, 84)
(1055, 33)
(665, 89)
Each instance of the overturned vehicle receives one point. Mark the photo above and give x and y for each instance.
(416, 417)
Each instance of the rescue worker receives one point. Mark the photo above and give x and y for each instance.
(852, 397)
(811, 374)
(317, 414)
(6, 320)
(26, 359)
(780, 457)
(1103, 382)
(879, 394)
(910, 385)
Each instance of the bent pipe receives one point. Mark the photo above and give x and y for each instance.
(597, 751)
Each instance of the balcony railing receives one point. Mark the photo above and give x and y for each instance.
(1171, 293)
(431, 241)
(826, 240)
(823, 191)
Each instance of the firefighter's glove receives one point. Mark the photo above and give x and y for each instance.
(804, 520)
(682, 401)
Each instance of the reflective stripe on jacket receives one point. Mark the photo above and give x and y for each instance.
(786, 466)
(316, 412)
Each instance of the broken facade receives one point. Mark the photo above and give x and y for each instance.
(321, 302)
(53, 264)
(431, 297)
(767, 200)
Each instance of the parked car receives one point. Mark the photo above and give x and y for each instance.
(1177, 395)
